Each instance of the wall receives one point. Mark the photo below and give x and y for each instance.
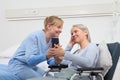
(13, 32)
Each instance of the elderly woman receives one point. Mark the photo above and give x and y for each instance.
(86, 56)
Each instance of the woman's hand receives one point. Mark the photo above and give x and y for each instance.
(58, 60)
(49, 53)
(58, 51)
(71, 42)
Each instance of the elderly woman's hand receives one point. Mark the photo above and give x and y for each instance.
(58, 60)
(58, 51)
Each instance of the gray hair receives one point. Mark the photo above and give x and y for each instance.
(82, 27)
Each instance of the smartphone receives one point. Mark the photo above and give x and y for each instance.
(55, 41)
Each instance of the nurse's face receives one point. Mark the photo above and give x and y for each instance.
(55, 30)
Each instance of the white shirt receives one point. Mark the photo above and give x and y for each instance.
(86, 57)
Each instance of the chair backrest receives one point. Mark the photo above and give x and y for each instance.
(114, 49)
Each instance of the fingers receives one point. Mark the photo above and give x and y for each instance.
(57, 45)
(56, 51)
(58, 59)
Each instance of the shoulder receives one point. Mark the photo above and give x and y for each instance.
(34, 34)
(38, 32)
(93, 46)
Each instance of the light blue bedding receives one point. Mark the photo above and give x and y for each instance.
(5, 74)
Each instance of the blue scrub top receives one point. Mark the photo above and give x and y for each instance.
(32, 51)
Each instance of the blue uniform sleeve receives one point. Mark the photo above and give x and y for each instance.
(51, 61)
(35, 59)
(32, 53)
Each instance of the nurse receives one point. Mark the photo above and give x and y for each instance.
(34, 49)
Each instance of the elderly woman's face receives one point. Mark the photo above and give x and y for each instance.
(77, 34)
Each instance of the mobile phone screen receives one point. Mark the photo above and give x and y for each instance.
(55, 41)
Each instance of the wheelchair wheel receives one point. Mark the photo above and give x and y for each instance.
(99, 77)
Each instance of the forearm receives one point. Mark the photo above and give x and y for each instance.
(80, 61)
(36, 59)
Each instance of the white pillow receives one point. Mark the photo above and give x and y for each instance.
(105, 59)
(9, 52)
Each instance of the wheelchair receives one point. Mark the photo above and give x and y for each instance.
(94, 73)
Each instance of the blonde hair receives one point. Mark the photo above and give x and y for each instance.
(82, 27)
(53, 20)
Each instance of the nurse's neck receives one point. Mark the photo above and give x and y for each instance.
(47, 35)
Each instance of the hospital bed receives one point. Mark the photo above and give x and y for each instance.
(4, 59)
(98, 72)
(104, 72)
(6, 55)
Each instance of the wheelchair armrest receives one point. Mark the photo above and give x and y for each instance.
(60, 66)
(92, 71)
(96, 69)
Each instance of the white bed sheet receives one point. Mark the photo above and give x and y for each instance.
(7, 54)
(4, 60)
